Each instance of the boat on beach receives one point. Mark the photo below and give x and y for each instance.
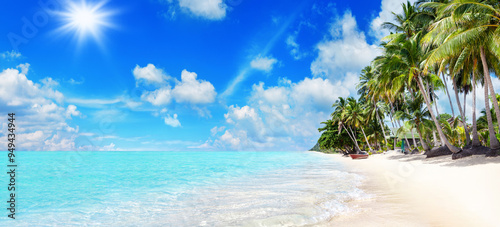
(359, 156)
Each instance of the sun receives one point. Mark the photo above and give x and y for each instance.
(85, 20)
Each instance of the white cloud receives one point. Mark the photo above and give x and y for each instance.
(191, 90)
(49, 82)
(209, 9)
(216, 130)
(238, 114)
(10, 55)
(17, 90)
(42, 122)
(71, 111)
(278, 117)
(75, 82)
(294, 47)
(385, 15)
(228, 138)
(24, 68)
(188, 90)
(149, 75)
(172, 121)
(344, 50)
(317, 92)
(263, 63)
(159, 97)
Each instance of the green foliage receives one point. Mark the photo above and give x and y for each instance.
(444, 116)
(455, 38)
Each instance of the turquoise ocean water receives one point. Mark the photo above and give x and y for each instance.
(178, 189)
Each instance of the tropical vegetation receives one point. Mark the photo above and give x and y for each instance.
(432, 43)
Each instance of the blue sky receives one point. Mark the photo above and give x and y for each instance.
(181, 74)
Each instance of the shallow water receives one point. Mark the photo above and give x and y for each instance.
(180, 189)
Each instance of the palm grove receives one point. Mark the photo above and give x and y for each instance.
(431, 42)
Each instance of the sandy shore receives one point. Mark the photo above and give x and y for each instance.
(410, 190)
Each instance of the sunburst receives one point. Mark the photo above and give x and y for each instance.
(85, 20)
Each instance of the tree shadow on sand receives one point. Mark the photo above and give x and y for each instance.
(446, 160)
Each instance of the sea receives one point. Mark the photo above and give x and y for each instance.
(178, 189)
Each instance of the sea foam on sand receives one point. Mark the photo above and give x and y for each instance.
(414, 191)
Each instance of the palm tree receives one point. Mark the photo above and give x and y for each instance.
(469, 24)
(373, 112)
(339, 116)
(417, 119)
(408, 57)
(353, 116)
(368, 92)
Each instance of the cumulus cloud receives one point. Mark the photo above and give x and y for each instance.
(263, 63)
(277, 117)
(10, 55)
(42, 122)
(71, 111)
(344, 50)
(208, 9)
(191, 90)
(172, 121)
(188, 90)
(149, 75)
(385, 15)
(159, 97)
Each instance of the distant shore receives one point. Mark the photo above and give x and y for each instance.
(411, 190)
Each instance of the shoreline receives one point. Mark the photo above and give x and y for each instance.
(410, 190)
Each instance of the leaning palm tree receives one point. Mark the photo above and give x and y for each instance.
(353, 116)
(339, 116)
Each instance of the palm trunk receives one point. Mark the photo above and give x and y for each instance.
(467, 138)
(464, 122)
(438, 127)
(494, 144)
(490, 85)
(448, 93)
(424, 145)
(398, 123)
(475, 137)
(355, 140)
(434, 139)
(437, 114)
(348, 133)
(413, 137)
(381, 125)
(411, 130)
(369, 147)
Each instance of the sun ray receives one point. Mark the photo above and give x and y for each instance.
(86, 20)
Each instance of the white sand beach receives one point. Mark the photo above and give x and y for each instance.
(410, 190)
